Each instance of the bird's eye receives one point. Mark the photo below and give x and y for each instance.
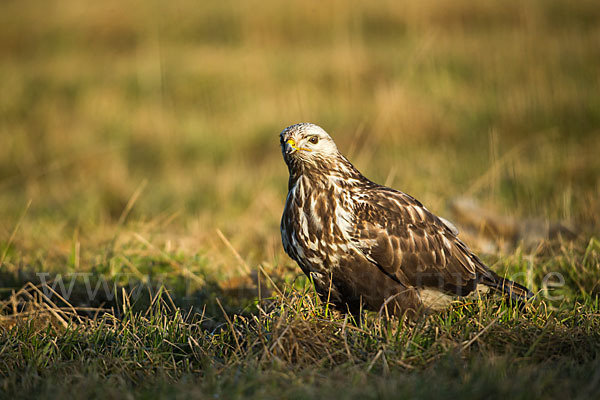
(313, 139)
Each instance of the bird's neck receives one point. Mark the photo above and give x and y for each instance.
(321, 175)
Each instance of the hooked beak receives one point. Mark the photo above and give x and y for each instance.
(290, 147)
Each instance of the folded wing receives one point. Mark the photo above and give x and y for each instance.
(412, 246)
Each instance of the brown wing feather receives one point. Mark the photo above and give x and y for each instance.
(413, 246)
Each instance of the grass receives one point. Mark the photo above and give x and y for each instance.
(141, 180)
(290, 345)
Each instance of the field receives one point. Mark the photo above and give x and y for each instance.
(142, 184)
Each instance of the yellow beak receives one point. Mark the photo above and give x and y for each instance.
(292, 144)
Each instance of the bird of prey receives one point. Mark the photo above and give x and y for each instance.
(367, 246)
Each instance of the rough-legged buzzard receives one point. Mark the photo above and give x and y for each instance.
(367, 245)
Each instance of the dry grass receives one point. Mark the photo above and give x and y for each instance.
(291, 343)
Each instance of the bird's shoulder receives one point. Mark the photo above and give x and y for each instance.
(384, 207)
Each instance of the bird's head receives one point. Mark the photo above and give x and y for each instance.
(307, 144)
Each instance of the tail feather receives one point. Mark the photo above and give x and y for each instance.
(512, 289)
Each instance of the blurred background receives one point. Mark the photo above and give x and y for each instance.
(124, 121)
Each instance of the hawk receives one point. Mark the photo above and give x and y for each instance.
(368, 246)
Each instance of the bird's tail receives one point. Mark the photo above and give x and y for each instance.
(512, 289)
